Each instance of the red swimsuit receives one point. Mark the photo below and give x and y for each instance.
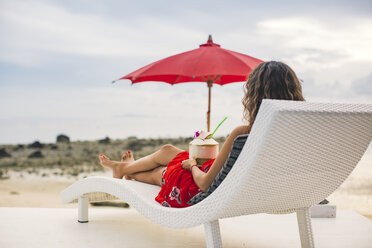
(178, 185)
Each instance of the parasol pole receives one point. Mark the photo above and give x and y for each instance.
(209, 84)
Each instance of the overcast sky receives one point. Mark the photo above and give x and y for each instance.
(58, 58)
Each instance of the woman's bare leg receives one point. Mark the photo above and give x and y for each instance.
(152, 177)
(159, 158)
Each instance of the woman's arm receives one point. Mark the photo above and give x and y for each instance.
(204, 180)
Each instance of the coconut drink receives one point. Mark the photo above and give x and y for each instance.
(202, 148)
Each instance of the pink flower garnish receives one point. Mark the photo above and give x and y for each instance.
(196, 134)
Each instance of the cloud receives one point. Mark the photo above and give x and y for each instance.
(57, 62)
(363, 86)
(348, 38)
(54, 30)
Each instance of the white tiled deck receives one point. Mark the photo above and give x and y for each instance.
(111, 227)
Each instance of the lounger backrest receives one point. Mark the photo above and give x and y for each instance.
(296, 155)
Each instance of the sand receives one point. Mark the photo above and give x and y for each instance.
(45, 192)
(33, 192)
(25, 190)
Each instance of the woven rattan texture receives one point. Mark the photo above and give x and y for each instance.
(304, 227)
(296, 155)
(212, 234)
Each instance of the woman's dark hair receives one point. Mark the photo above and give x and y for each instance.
(269, 80)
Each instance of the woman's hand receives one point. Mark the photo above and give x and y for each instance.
(186, 164)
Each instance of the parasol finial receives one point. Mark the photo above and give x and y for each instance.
(210, 40)
(209, 43)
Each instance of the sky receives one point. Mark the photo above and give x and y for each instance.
(58, 59)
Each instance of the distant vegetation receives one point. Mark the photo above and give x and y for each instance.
(71, 159)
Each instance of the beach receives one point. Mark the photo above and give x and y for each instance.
(33, 192)
(33, 175)
(41, 187)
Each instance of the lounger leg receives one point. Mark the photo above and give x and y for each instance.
(83, 209)
(212, 234)
(304, 226)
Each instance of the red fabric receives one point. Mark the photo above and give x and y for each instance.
(178, 184)
(208, 62)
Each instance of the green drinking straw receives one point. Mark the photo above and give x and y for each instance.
(217, 128)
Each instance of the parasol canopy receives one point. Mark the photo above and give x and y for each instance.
(209, 63)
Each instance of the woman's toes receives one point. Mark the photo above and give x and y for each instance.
(105, 161)
(124, 157)
(127, 157)
(102, 157)
(130, 154)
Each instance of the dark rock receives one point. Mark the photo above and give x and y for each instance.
(36, 154)
(36, 144)
(63, 138)
(4, 153)
(135, 145)
(138, 144)
(54, 147)
(18, 147)
(104, 141)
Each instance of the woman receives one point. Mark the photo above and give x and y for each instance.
(171, 167)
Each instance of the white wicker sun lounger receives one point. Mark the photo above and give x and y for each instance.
(296, 155)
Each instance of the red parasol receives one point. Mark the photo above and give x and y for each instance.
(209, 63)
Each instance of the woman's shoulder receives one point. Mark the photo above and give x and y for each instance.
(244, 129)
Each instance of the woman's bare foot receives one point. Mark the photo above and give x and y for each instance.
(106, 161)
(116, 167)
(127, 157)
